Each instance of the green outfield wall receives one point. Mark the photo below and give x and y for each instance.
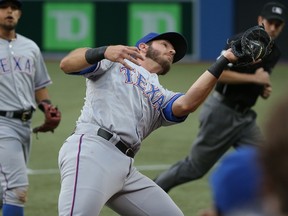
(59, 26)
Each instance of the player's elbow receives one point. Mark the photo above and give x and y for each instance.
(64, 66)
(184, 109)
(189, 108)
(184, 105)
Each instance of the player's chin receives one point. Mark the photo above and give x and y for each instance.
(273, 36)
(9, 26)
(165, 67)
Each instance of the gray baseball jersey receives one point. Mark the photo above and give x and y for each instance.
(22, 71)
(130, 104)
(132, 111)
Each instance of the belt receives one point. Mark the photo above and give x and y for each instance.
(120, 145)
(240, 108)
(23, 115)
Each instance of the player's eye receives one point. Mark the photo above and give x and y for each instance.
(164, 44)
(276, 23)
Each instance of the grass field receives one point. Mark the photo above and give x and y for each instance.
(163, 147)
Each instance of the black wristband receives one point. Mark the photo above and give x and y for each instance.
(217, 68)
(95, 55)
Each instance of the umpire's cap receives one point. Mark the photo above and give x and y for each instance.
(15, 2)
(274, 10)
(177, 40)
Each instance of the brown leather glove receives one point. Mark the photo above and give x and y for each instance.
(52, 118)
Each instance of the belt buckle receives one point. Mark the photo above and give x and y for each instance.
(26, 115)
(129, 152)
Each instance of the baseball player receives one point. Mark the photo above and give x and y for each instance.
(124, 103)
(227, 119)
(23, 79)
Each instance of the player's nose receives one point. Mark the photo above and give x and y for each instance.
(173, 51)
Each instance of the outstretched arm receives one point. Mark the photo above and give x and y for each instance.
(82, 58)
(200, 89)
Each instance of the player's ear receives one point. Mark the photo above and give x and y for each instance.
(19, 14)
(143, 47)
(260, 20)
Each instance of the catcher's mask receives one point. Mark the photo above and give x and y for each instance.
(177, 40)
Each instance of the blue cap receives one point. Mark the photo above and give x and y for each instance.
(177, 40)
(15, 2)
(236, 183)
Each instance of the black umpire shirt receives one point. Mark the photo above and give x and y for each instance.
(247, 94)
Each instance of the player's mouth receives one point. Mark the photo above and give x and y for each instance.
(9, 18)
(170, 58)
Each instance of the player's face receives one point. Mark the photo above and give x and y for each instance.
(162, 52)
(273, 27)
(9, 16)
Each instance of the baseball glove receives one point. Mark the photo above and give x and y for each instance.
(252, 46)
(52, 118)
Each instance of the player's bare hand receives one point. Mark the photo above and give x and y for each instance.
(267, 90)
(230, 56)
(262, 77)
(119, 53)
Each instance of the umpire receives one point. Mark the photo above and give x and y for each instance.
(227, 118)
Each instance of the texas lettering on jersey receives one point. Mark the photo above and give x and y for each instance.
(149, 90)
(17, 63)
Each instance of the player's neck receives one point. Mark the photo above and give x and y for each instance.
(7, 35)
(151, 65)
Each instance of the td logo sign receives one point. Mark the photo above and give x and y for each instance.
(152, 17)
(67, 25)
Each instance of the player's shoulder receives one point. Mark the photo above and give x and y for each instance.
(275, 54)
(276, 48)
(26, 40)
